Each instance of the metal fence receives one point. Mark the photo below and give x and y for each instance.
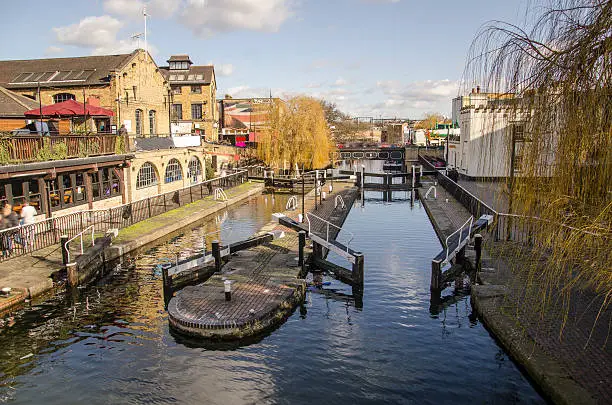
(473, 204)
(25, 239)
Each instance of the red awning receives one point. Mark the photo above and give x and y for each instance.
(70, 108)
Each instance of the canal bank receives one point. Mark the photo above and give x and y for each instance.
(38, 274)
(569, 368)
(267, 283)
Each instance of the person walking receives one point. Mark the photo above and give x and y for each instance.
(9, 220)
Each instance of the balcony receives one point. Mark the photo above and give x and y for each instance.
(36, 148)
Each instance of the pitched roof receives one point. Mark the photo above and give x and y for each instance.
(190, 75)
(58, 72)
(179, 58)
(14, 105)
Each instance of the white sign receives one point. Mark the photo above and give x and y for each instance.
(181, 128)
(128, 125)
(186, 141)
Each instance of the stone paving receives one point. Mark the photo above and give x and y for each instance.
(266, 285)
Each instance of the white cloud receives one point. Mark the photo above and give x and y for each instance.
(340, 82)
(208, 17)
(53, 50)
(133, 9)
(224, 70)
(90, 32)
(428, 92)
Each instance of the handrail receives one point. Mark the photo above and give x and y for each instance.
(341, 200)
(79, 235)
(435, 192)
(460, 230)
(309, 214)
(220, 195)
(292, 203)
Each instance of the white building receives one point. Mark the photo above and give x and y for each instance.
(482, 150)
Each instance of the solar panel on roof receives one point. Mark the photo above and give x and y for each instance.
(191, 77)
(181, 77)
(172, 77)
(61, 76)
(199, 77)
(22, 77)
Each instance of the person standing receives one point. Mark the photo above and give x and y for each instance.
(28, 214)
(9, 220)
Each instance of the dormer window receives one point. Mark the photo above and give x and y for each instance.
(179, 65)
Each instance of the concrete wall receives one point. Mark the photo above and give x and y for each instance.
(160, 159)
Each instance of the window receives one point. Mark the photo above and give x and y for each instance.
(138, 122)
(146, 176)
(196, 89)
(61, 97)
(194, 171)
(152, 123)
(176, 89)
(173, 171)
(177, 111)
(196, 111)
(105, 184)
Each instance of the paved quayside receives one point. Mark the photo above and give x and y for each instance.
(35, 274)
(266, 282)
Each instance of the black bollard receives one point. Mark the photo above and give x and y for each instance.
(478, 249)
(64, 247)
(216, 251)
(302, 245)
(436, 276)
(358, 269)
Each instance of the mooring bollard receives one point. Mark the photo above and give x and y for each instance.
(65, 253)
(478, 249)
(227, 287)
(302, 245)
(436, 276)
(166, 282)
(358, 269)
(73, 275)
(300, 218)
(216, 251)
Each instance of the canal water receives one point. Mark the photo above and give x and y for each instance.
(110, 343)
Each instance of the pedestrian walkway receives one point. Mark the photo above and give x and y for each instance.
(32, 275)
(562, 345)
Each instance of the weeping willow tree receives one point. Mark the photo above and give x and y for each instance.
(297, 133)
(558, 72)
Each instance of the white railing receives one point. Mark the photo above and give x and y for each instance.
(460, 239)
(339, 201)
(310, 215)
(220, 195)
(292, 203)
(429, 191)
(80, 236)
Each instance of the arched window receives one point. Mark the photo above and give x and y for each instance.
(147, 177)
(152, 123)
(138, 122)
(173, 171)
(195, 170)
(60, 97)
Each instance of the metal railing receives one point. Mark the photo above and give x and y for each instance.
(80, 236)
(25, 239)
(429, 191)
(292, 203)
(339, 201)
(462, 235)
(220, 195)
(473, 204)
(310, 218)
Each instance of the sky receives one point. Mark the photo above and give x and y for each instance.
(373, 58)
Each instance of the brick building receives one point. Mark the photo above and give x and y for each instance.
(194, 93)
(131, 85)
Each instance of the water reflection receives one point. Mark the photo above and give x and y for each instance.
(111, 343)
